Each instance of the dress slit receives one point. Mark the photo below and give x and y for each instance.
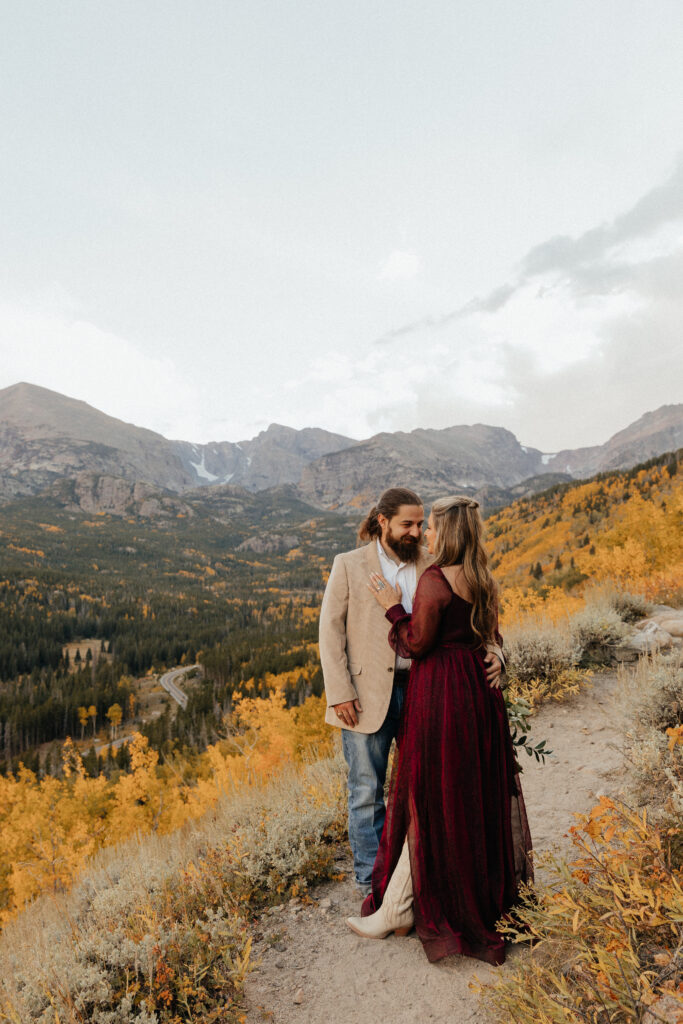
(454, 789)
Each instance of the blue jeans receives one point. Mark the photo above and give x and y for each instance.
(367, 755)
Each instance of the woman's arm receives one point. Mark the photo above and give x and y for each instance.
(412, 636)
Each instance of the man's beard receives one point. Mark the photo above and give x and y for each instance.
(407, 548)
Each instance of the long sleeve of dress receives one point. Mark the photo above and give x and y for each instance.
(414, 635)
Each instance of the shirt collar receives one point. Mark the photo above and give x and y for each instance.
(383, 556)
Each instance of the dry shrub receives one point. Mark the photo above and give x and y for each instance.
(541, 662)
(131, 955)
(285, 840)
(156, 930)
(629, 606)
(651, 699)
(607, 929)
(544, 650)
(598, 623)
(539, 651)
(538, 691)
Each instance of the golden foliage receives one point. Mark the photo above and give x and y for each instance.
(520, 605)
(625, 527)
(50, 827)
(538, 691)
(607, 928)
(160, 928)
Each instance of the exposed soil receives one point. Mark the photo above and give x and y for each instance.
(314, 970)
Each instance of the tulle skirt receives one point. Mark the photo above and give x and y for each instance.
(455, 794)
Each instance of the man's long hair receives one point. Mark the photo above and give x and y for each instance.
(388, 505)
(460, 541)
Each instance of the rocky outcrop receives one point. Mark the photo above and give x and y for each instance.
(269, 544)
(46, 437)
(648, 639)
(661, 630)
(109, 495)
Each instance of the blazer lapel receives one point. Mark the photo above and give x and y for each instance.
(372, 558)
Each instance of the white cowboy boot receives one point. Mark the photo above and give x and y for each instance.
(396, 912)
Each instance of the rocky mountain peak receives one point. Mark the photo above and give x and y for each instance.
(46, 436)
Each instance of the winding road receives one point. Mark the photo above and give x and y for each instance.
(168, 681)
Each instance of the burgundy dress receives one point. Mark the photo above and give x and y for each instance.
(454, 788)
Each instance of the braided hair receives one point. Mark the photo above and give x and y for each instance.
(460, 541)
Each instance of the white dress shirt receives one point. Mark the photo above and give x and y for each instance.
(405, 574)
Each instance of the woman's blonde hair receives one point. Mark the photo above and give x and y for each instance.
(459, 540)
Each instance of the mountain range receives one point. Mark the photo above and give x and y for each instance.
(46, 437)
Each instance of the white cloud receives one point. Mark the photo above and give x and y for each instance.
(400, 265)
(79, 359)
(581, 344)
(584, 341)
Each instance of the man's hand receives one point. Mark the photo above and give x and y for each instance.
(347, 713)
(494, 670)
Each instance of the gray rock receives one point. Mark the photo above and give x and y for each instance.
(648, 639)
(673, 626)
(270, 544)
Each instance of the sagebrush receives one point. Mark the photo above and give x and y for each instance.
(541, 662)
(651, 701)
(157, 929)
(607, 929)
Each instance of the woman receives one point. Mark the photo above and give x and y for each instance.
(456, 842)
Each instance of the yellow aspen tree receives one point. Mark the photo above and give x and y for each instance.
(50, 838)
(268, 737)
(115, 714)
(314, 738)
(143, 799)
(72, 763)
(83, 719)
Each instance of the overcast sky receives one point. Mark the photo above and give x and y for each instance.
(361, 215)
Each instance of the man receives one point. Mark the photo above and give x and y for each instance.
(364, 678)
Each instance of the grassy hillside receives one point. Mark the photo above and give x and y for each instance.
(624, 526)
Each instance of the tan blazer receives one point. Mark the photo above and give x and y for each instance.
(355, 655)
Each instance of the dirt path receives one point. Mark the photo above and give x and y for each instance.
(315, 971)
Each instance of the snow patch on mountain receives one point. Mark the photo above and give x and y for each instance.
(201, 470)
